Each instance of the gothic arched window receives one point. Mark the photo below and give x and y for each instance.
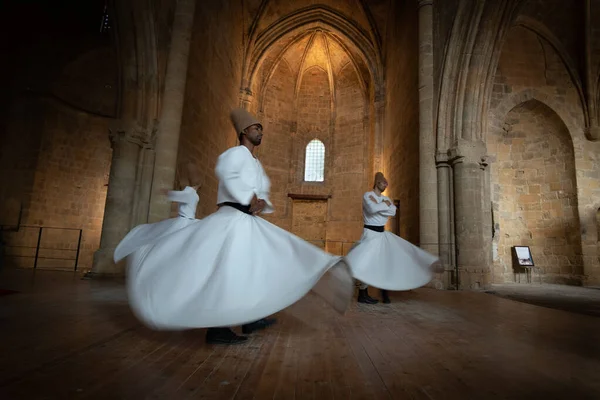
(314, 161)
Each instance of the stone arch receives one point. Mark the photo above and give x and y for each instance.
(470, 59)
(301, 77)
(569, 115)
(305, 78)
(542, 31)
(361, 49)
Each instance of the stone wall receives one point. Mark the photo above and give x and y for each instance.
(276, 151)
(531, 68)
(54, 146)
(564, 23)
(535, 195)
(351, 170)
(316, 94)
(214, 75)
(56, 169)
(401, 142)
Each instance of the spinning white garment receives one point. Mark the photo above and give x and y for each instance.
(230, 268)
(385, 260)
(147, 234)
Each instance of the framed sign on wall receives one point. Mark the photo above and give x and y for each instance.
(523, 256)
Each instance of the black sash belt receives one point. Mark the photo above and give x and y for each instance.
(237, 206)
(375, 228)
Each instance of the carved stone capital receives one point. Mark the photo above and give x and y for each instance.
(442, 160)
(485, 161)
(423, 3)
(246, 96)
(465, 151)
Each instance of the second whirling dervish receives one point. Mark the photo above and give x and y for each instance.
(381, 258)
(232, 267)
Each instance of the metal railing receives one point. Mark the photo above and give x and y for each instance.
(24, 248)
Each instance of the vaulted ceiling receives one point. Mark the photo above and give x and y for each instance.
(369, 15)
(329, 34)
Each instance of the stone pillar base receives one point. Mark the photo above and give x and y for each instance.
(474, 278)
(443, 278)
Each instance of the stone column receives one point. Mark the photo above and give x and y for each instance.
(167, 140)
(472, 257)
(444, 218)
(126, 145)
(592, 131)
(486, 212)
(379, 109)
(428, 189)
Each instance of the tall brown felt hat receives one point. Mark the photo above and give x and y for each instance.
(242, 119)
(378, 178)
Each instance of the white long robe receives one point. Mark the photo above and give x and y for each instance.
(383, 259)
(231, 268)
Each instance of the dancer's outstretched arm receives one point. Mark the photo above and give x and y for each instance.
(182, 196)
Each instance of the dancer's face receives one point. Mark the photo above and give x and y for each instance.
(381, 185)
(254, 133)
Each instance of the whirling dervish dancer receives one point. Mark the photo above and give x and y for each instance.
(381, 258)
(232, 267)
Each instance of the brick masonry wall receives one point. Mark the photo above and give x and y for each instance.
(54, 148)
(351, 168)
(528, 61)
(289, 129)
(313, 118)
(275, 152)
(212, 91)
(310, 221)
(529, 67)
(57, 168)
(535, 195)
(401, 142)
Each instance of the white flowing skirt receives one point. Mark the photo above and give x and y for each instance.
(386, 261)
(147, 234)
(228, 269)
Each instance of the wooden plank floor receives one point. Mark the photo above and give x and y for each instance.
(66, 338)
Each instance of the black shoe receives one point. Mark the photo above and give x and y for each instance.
(384, 297)
(258, 325)
(223, 336)
(363, 297)
(369, 297)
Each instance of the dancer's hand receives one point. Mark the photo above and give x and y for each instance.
(388, 203)
(257, 206)
(373, 199)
